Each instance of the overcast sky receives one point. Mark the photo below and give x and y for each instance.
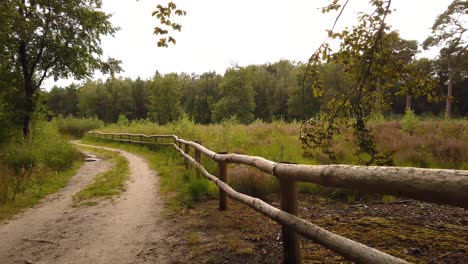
(219, 33)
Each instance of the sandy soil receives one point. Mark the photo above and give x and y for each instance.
(128, 229)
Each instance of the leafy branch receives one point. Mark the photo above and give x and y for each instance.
(376, 61)
(165, 15)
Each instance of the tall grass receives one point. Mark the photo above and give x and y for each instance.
(77, 127)
(420, 143)
(33, 167)
(251, 181)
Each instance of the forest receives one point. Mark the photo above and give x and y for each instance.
(266, 92)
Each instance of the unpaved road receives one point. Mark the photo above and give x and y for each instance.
(128, 229)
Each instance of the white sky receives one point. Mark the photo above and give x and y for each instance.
(218, 33)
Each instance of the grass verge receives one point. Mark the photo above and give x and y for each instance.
(44, 182)
(180, 187)
(107, 184)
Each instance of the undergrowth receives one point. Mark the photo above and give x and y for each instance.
(77, 127)
(42, 183)
(32, 167)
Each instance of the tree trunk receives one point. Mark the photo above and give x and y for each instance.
(408, 102)
(28, 111)
(448, 105)
(378, 98)
(28, 90)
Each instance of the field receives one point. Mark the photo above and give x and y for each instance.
(429, 143)
(418, 232)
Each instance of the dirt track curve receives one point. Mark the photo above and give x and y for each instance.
(129, 229)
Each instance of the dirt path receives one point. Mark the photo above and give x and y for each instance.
(129, 229)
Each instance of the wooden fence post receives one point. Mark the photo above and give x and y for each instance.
(112, 136)
(222, 176)
(291, 249)
(198, 156)
(186, 150)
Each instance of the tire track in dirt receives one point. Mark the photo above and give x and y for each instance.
(128, 229)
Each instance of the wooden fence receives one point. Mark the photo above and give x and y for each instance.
(441, 186)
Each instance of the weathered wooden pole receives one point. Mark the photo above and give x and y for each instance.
(112, 136)
(141, 138)
(222, 175)
(291, 249)
(198, 156)
(186, 150)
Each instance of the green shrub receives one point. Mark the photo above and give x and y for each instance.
(53, 151)
(77, 127)
(196, 188)
(388, 198)
(5, 184)
(123, 121)
(409, 122)
(21, 159)
(307, 187)
(44, 152)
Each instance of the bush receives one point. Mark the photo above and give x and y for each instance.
(197, 188)
(44, 151)
(52, 150)
(77, 127)
(5, 184)
(409, 122)
(123, 121)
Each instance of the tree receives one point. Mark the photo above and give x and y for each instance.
(139, 96)
(52, 38)
(447, 32)
(285, 79)
(403, 53)
(264, 85)
(301, 101)
(368, 57)
(200, 96)
(164, 101)
(63, 101)
(236, 97)
(123, 102)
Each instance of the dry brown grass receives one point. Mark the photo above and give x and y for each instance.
(436, 144)
(251, 181)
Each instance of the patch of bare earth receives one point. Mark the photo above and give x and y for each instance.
(415, 231)
(127, 229)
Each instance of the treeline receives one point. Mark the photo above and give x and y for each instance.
(266, 92)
